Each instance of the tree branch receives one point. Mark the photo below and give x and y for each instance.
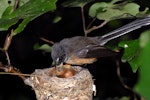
(12, 71)
(83, 21)
(124, 85)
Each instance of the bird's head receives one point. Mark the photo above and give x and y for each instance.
(58, 54)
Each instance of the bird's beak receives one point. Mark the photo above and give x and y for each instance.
(56, 63)
(59, 67)
(53, 63)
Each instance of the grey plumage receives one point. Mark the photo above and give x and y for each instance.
(83, 47)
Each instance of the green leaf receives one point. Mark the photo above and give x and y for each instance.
(7, 11)
(6, 23)
(22, 25)
(7, 8)
(131, 54)
(110, 11)
(141, 13)
(143, 86)
(57, 19)
(144, 38)
(114, 1)
(131, 8)
(97, 8)
(4, 5)
(76, 3)
(28, 11)
(22, 2)
(44, 47)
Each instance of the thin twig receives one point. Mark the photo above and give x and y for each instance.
(16, 4)
(96, 27)
(46, 40)
(87, 30)
(91, 23)
(124, 85)
(83, 21)
(18, 74)
(6, 46)
(10, 69)
(7, 57)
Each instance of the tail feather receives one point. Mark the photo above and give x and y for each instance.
(124, 30)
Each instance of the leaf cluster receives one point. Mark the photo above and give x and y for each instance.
(27, 11)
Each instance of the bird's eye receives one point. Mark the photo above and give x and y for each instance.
(59, 60)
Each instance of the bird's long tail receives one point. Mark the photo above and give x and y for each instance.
(125, 29)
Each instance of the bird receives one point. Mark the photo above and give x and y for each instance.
(80, 50)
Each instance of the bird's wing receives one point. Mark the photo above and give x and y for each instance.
(94, 51)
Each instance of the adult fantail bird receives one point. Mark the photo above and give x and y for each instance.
(81, 50)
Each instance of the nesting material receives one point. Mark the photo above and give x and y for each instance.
(49, 87)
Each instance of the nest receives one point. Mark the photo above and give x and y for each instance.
(48, 87)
